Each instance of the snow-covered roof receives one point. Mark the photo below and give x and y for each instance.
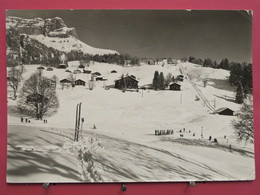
(80, 80)
(171, 83)
(131, 77)
(65, 81)
(221, 110)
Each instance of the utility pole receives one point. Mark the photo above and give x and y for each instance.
(201, 132)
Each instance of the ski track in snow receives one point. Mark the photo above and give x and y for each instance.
(144, 163)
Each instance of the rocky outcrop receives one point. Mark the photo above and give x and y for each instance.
(63, 32)
(53, 27)
(34, 36)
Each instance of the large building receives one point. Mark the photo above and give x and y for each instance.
(128, 82)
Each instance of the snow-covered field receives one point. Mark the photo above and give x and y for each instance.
(126, 147)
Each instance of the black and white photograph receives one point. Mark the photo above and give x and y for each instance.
(98, 96)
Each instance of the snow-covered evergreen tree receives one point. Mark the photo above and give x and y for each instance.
(240, 94)
(161, 81)
(156, 80)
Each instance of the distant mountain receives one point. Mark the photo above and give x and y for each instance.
(44, 38)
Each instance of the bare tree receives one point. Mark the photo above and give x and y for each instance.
(72, 78)
(244, 129)
(169, 78)
(38, 97)
(15, 76)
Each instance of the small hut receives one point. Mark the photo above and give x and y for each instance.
(175, 86)
(113, 71)
(224, 111)
(80, 82)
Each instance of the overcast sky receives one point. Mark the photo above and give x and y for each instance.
(160, 33)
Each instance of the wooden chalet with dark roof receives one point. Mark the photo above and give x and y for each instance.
(80, 82)
(175, 86)
(128, 82)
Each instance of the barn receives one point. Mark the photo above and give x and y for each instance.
(80, 82)
(126, 82)
(175, 86)
(224, 111)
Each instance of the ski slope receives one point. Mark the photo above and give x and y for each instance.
(126, 122)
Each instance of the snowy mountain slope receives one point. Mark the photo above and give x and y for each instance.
(53, 32)
(69, 43)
